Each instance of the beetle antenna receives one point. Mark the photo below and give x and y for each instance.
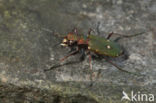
(56, 44)
(53, 32)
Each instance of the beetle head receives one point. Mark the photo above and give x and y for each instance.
(69, 40)
(64, 42)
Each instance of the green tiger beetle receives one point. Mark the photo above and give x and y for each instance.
(93, 45)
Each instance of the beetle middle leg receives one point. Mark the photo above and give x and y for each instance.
(108, 37)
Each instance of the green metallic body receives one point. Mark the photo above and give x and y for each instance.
(104, 46)
(93, 43)
(97, 44)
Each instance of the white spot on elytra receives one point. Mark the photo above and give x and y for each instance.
(108, 47)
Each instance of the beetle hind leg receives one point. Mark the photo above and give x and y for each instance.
(97, 28)
(120, 68)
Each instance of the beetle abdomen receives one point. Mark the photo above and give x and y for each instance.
(103, 46)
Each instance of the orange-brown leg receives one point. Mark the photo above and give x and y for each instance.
(73, 53)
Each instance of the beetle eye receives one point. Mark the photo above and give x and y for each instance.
(108, 47)
(64, 40)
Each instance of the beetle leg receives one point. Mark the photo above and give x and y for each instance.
(73, 53)
(75, 31)
(72, 48)
(119, 67)
(60, 65)
(97, 28)
(90, 30)
(128, 36)
(110, 35)
(82, 55)
(90, 65)
(124, 36)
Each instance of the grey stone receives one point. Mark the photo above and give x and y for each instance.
(28, 46)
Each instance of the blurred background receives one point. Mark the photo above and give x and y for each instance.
(28, 46)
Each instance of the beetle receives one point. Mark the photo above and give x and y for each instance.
(93, 45)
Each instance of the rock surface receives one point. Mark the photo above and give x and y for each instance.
(28, 46)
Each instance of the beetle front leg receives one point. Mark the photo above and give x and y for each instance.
(124, 36)
(73, 53)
